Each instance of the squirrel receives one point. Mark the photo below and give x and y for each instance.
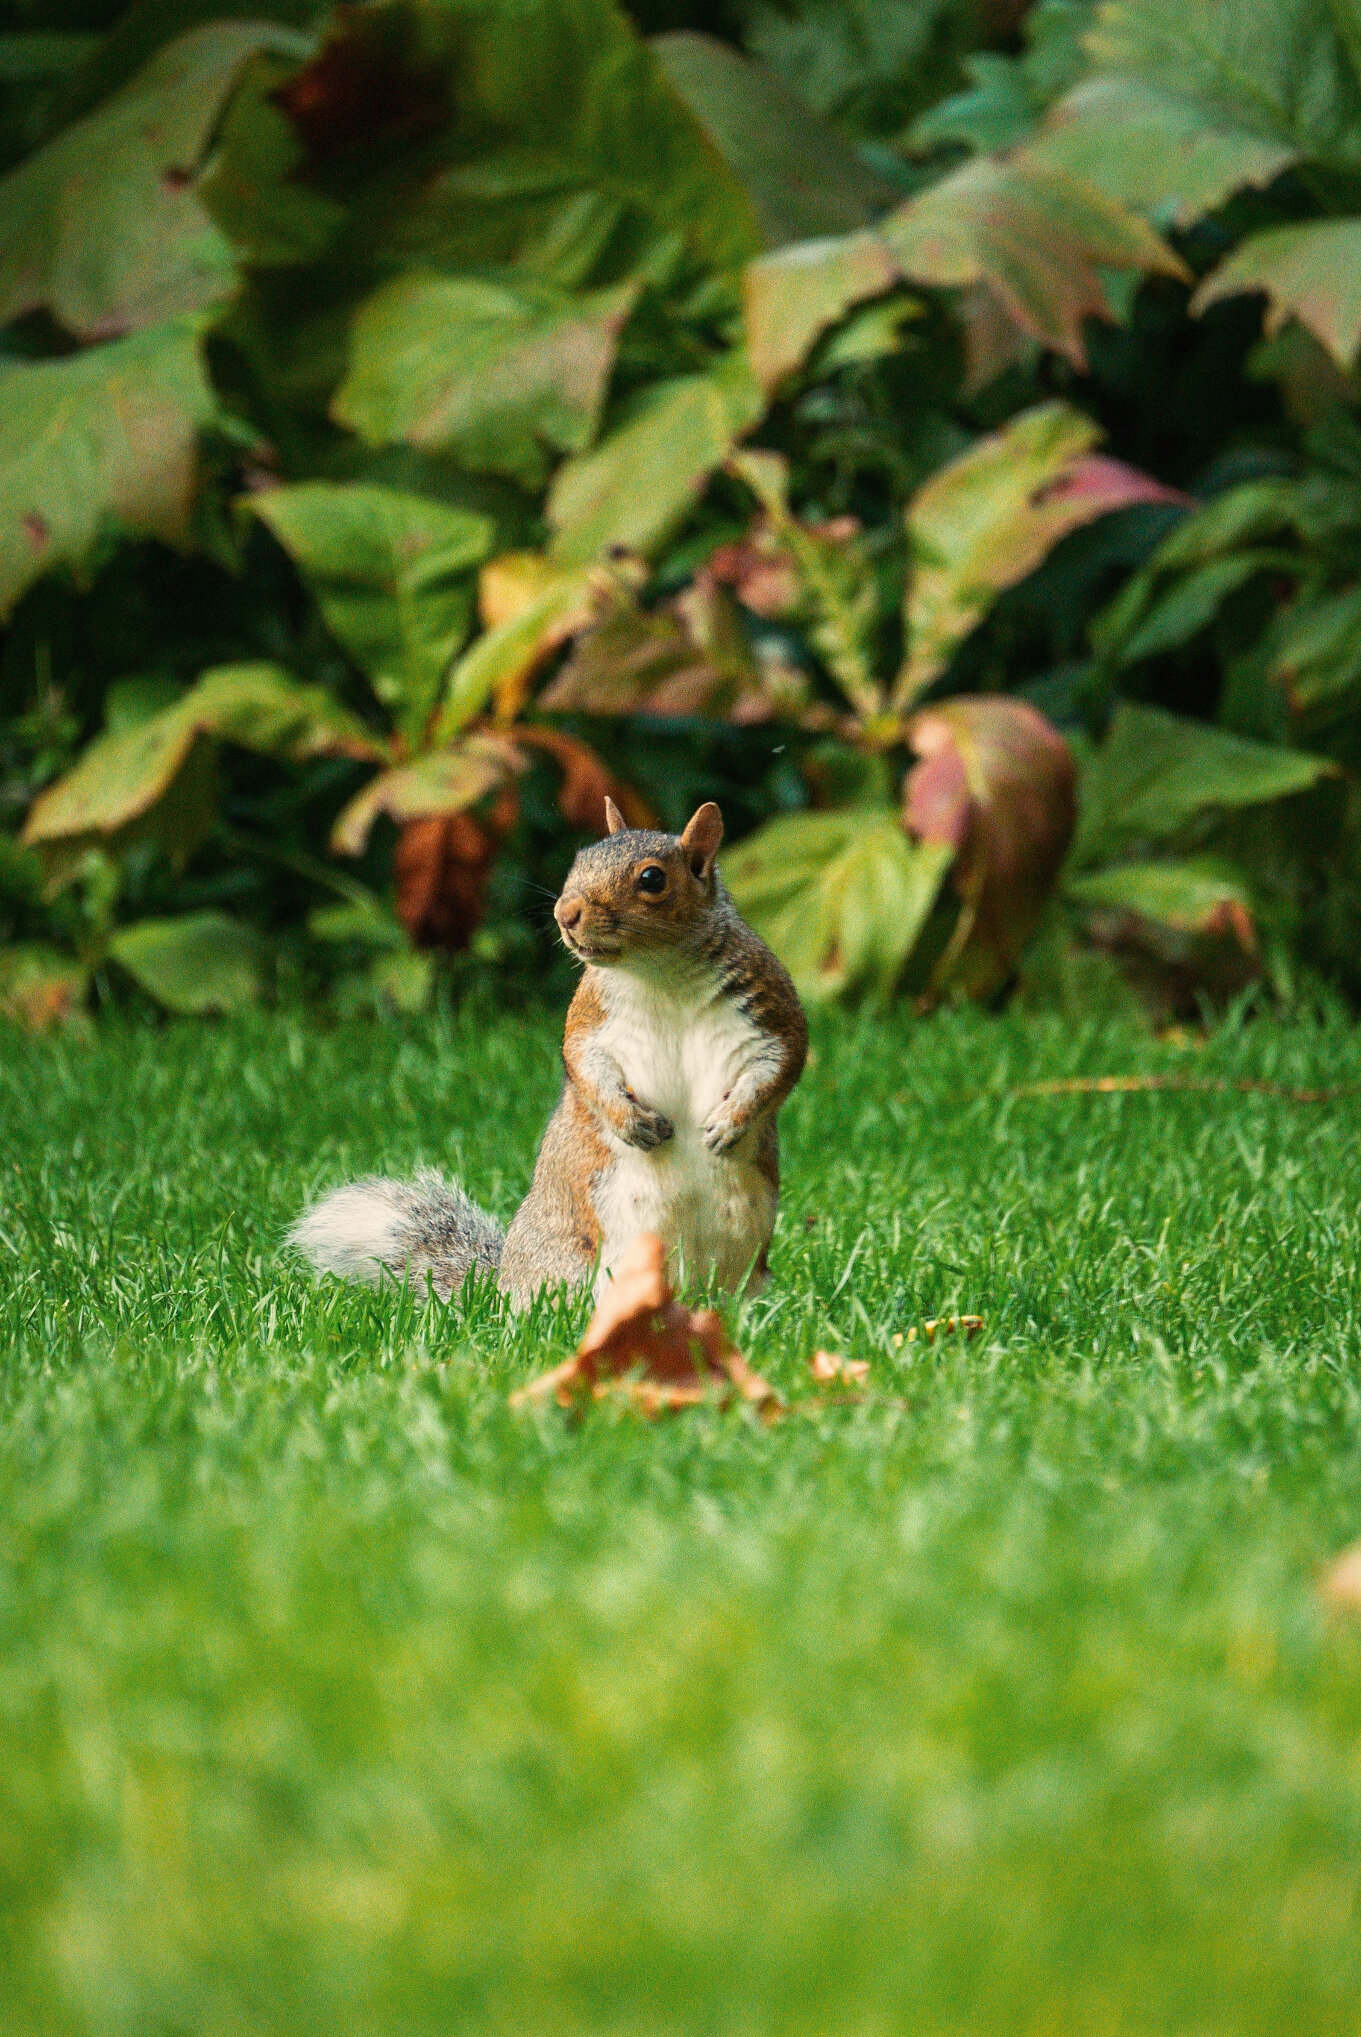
(683, 1039)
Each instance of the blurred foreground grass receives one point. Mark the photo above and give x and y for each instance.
(336, 1698)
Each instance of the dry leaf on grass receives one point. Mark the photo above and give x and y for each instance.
(1340, 1583)
(939, 1326)
(649, 1349)
(827, 1365)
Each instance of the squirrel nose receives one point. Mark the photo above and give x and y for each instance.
(567, 913)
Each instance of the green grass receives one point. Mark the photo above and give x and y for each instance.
(336, 1698)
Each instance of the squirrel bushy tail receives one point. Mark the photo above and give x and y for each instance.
(418, 1229)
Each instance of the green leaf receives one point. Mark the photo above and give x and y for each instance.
(1193, 897)
(1312, 273)
(367, 922)
(573, 155)
(1153, 150)
(998, 112)
(789, 298)
(392, 576)
(985, 520)
(1279, 70)
(637, 485)
(442, 781)
(499, 377)
(104, 226)
(1156, 772)
(123, 776)
(802, 178)
(1314, 653)
(201, 962)
(256, 186)
(102, 441)
(501, 663)
(837, 580)
(1037, 239)
(1203, 553)
(261, 707)
(841, 897)
(1190, 604)
(866, 64)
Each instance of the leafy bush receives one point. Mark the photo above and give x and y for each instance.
(928, 428)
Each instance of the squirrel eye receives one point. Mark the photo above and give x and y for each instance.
(652, 880)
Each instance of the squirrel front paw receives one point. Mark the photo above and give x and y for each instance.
(646, 1128)
(720, 1135)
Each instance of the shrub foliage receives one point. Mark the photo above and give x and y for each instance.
(928, 428)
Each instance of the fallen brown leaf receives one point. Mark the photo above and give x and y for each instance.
(1340, 1583)
(1136, 1085)
(828, 1365)
(939, 1326)
(650, 1349)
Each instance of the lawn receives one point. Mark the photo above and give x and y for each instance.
(336, 1697)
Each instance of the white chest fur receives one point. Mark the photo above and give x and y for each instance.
(682, 1054)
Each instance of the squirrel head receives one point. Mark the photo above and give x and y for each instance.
(639, 893)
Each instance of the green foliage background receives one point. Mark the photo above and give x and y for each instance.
(1022, 337)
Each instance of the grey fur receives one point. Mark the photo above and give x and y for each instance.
(418, 1229)
(428, 1228)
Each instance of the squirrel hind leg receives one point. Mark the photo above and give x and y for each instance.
(416, 1229)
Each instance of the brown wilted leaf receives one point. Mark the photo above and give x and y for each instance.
(369, 87)
(41, 987)
(586, 782)
(761, 569)
(829, 1365)
(997, 783)
(442, 865)
(1340, 1584)
(649, 1348)
(690, 656)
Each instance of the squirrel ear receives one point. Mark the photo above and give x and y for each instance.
(703, 833)
(614, 820)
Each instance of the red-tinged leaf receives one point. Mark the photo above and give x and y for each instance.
(997, 783)
(1188, 897)
(1311, 272)
(988, 518)
(760, 570)
(1037, 239)
(645, 1346)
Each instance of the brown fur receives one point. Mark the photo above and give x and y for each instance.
(685, 937)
